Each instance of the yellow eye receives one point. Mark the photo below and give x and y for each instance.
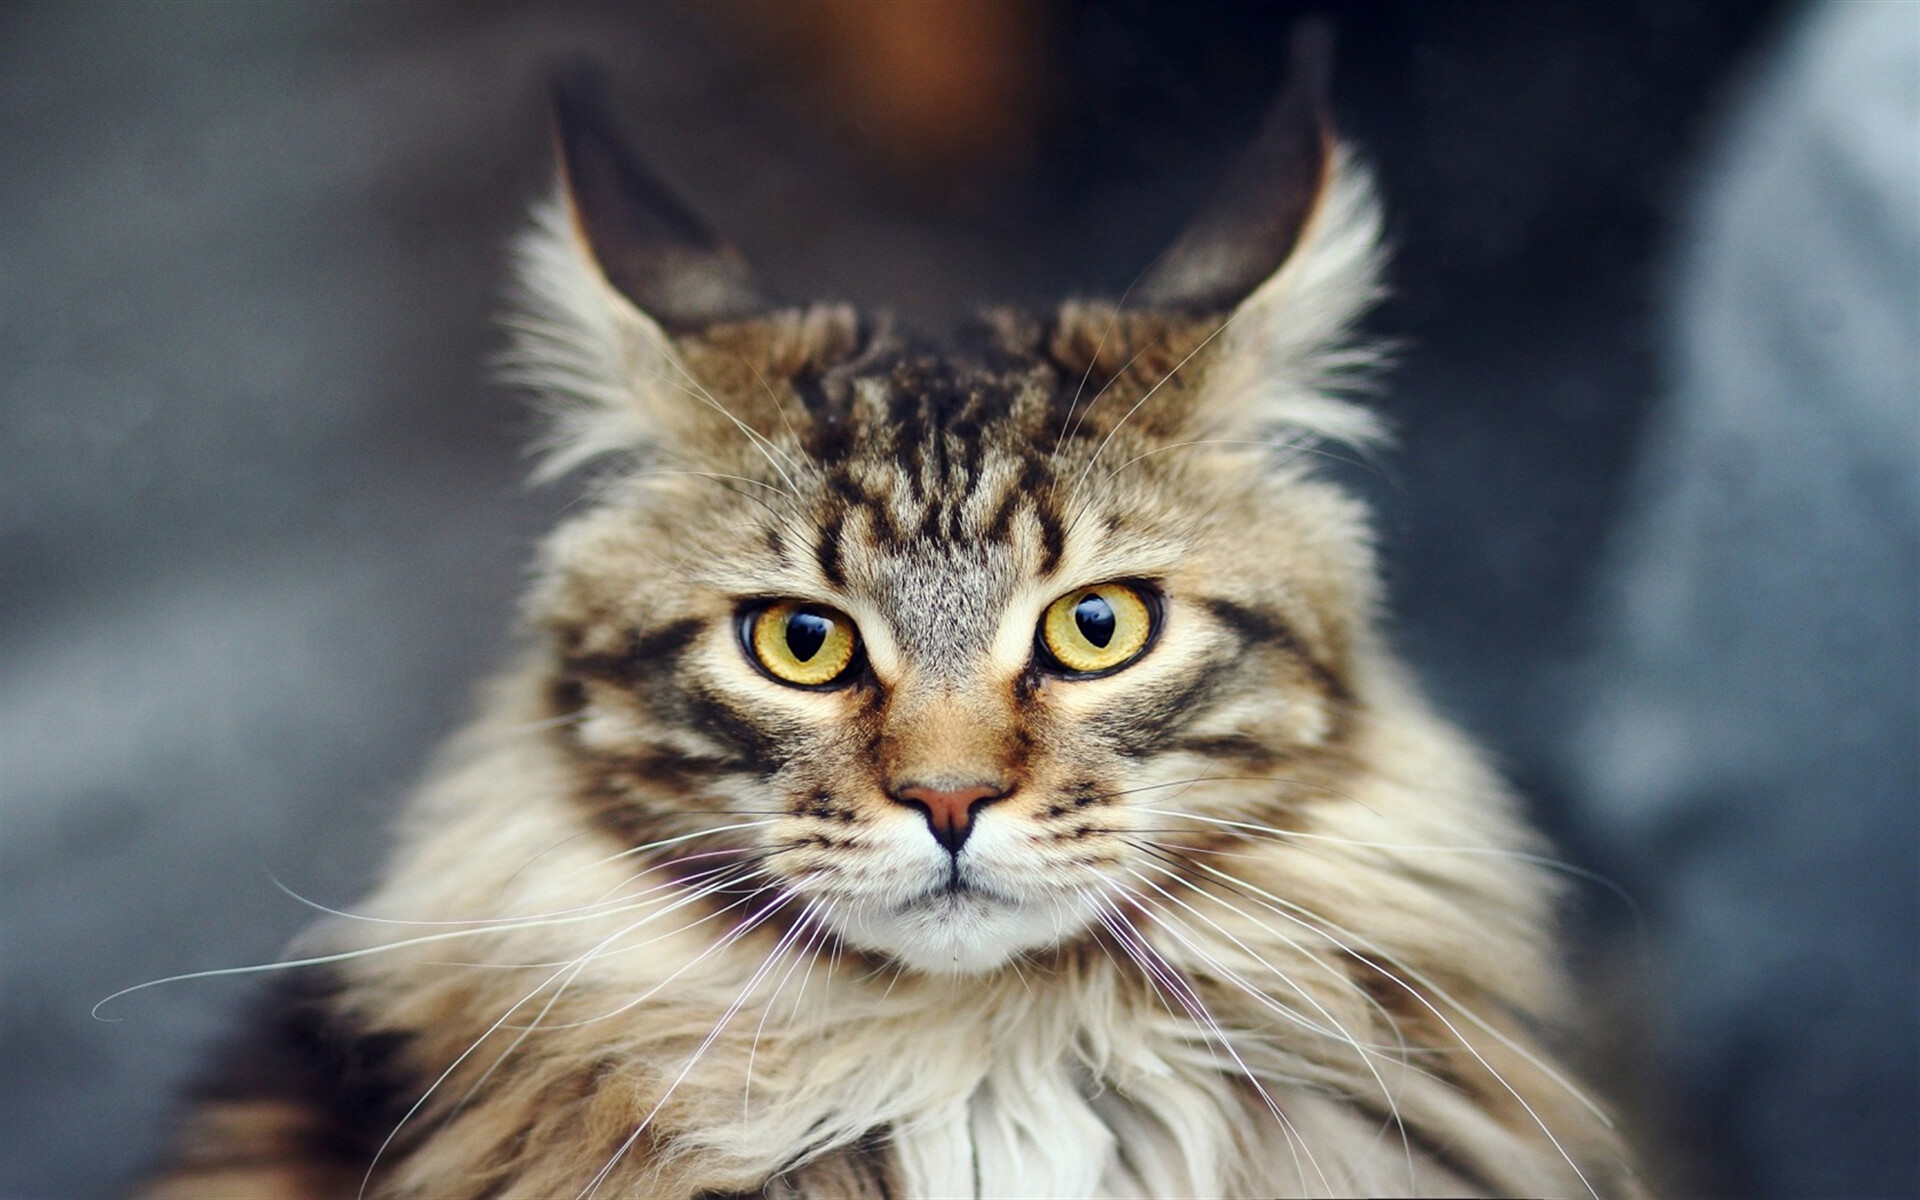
(801, 644)
(1097, 629)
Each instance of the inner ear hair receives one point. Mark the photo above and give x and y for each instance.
(1255, 219)
(648, 244)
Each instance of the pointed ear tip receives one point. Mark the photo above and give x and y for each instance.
(576, 108)
(1312, 40)
(576, 81)
(1310, 65)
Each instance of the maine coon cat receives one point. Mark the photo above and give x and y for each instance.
(938, 768)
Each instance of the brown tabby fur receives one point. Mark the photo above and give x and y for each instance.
(1249, 919)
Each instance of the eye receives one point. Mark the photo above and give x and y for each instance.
(1097, 629)
(805, 645)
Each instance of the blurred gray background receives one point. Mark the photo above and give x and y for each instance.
(262, 520)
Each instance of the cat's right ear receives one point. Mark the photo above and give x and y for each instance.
(613, 269)
(649, 246)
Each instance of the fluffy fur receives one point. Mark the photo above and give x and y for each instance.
(1249, 919)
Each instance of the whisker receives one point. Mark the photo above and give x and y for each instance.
(1138, 404)
(374, 1163)
(760, 442)
(1338, 1031)
(685, 837)
(727, 939)
(1141, 951)
(779, 405)
(1078, 424)
(1113, 318)
(1279, 906)
(779, 948)
(1558, 865)
(571, 970)
(345, 955)
(717, 887)
(753, 1046)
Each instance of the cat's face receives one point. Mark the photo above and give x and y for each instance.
(945, 648)
(943, 643)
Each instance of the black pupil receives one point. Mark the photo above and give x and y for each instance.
(1094, 616)
(806, 633)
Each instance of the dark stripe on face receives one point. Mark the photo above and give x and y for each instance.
(830, 439)
(1248, 752)
(635, 799)
(1152, 719)
(755, 747)
(999, 526)
(566, 696)
(931, 522)
(1265, 628)
(652, 655)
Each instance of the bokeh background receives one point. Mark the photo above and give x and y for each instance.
(263, 520)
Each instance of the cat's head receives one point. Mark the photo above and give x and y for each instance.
(937, 641)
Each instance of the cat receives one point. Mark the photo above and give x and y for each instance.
(938, 768)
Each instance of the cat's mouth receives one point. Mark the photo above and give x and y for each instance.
(957, 923)
(955, 892)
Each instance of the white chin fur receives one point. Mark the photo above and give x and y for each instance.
(899, 906)
(965, 933)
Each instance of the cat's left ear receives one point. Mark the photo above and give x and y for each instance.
(1287, 255)
(1259, 211)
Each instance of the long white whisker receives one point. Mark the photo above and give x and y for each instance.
(693, 896)
(348, 955)
(481, 923)
(728, 939)
(1338, 1030)
(753, 1046)
(779, 405)
(374, 1163)
(571, 970)
(1560, 866)
(1401, 1047)
(1137, 405)
(1071, 426)
(687, 837)
(763, 444)
(779, 948)
(1279, 906)
(1113, 318)
(1141, 951)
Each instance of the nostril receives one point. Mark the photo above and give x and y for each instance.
(949, 811)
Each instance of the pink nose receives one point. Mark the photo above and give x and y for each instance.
(949, 811)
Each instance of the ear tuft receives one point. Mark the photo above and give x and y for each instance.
(1288, 352)
(600, 369)
(613, 265)
(1289, 247)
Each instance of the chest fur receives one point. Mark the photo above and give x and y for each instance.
(1038, 1121)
